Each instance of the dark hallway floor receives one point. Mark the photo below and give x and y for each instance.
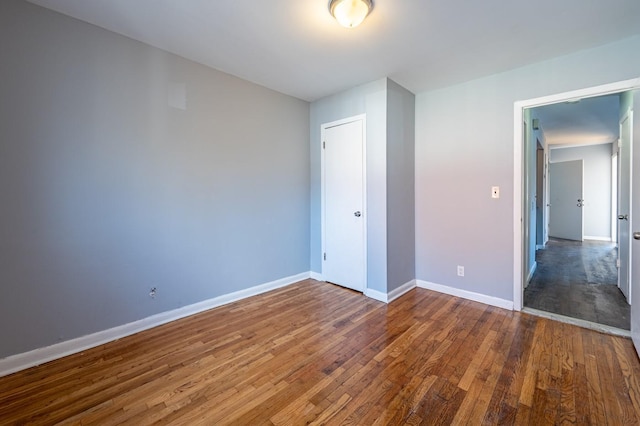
(579, 280)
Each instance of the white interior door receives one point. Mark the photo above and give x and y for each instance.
(624, 206)
(565, 211)
(343, 204)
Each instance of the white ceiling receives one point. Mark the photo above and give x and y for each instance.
(295, 46)
(590, 121)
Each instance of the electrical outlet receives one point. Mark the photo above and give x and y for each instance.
(460, 271)
(152, 292)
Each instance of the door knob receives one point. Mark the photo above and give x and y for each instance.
(623, 217)
(357, 214)
(636, 235)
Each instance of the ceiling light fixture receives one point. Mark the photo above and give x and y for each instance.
(350, 13)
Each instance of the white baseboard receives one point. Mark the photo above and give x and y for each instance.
(369, 292)
(375, 294)
(476, 297)
(316, 276)
(39, 356)
(393, 294)
(607, 239)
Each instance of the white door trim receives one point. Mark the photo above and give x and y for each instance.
(628, 115)
(614, 196)
(518, 168)
(323, 128)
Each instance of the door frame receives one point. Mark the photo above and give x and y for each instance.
(323, 128)
(615, 173)
(519, 179)
(628, 115)
(541, 196)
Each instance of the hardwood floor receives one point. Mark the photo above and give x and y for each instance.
(321, 354)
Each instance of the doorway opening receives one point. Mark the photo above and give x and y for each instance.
(564, 237)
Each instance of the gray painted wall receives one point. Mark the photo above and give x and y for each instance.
(401, 251)
(596, 184)
(107, 191)
(369, 99)
(464, 145)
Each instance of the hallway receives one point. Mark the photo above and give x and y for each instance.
(579, 280)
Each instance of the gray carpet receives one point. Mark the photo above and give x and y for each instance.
(579, 280)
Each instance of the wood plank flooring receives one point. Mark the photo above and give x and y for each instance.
(314, 353)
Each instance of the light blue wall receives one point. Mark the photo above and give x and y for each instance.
(401, 252)
(369, 99)
(107, 191)
(464, 145)
(596, 183)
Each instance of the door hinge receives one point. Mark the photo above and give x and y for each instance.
(324, 256)
(323, 145)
